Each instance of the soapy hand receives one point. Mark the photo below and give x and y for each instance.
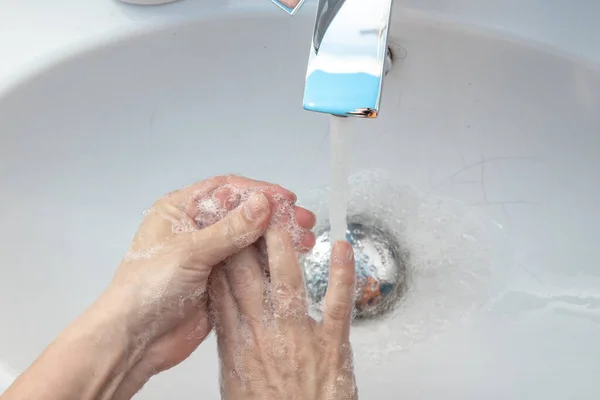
(155, 313)
(163, 278)
(270, 348)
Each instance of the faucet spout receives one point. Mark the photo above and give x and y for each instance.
(348, 57)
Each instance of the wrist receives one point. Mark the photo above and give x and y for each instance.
(108, 350)
(120, 310)
(110, 323)
(89, 360)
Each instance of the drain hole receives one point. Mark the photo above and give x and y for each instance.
(380, 267)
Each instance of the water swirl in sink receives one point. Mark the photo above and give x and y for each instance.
(458, 261)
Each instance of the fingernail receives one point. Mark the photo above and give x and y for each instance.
(256, 207)
(342, 252)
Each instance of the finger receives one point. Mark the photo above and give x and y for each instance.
(187, 199)
(245, 278)
(227, 198)
(298, 221)
(161, 223)
(225, 315)
(246, 281)
(170, 214)
(263, 256)
(283, 260)
(238, 229)
(286, 276)
(177, 211)
(305, 218)
(195, 191)
(209, 208)
(223, 307)
(338, 302)
(270, 188)
(182, 197)
(307, 242)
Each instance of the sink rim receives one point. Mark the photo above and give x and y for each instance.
(126, 22)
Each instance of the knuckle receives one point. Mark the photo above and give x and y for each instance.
(338, 311)
(240, 275)
(289, 301)
(243, 269)
(343, 277)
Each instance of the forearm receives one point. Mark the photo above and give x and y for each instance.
(89, 360)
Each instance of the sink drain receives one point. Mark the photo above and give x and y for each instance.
(380, 267)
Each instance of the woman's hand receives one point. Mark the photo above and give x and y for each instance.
(163, 278)
(154, 312)
(270, 348)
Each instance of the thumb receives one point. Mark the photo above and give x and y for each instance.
(240, 228)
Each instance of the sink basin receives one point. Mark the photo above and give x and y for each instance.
(486, 150)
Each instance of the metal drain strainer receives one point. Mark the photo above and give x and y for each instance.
(380, 269)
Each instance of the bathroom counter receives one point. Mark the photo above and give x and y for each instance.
(34, 34)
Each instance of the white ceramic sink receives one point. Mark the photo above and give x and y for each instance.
(497, 138)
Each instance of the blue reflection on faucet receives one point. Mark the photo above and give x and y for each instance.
(347, 58)
(342, 93)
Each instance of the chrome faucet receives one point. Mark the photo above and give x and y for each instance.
(349, 56)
